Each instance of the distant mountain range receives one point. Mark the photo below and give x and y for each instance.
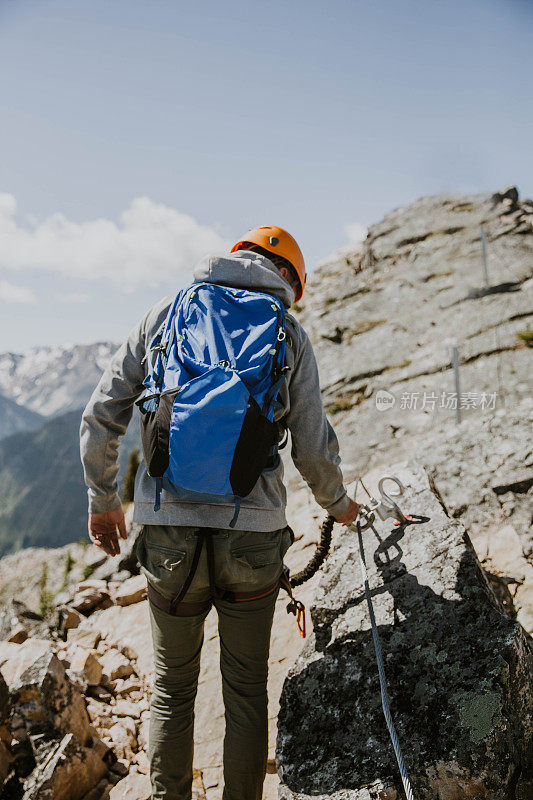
(43, 500)
(52, 380)
(15, 418)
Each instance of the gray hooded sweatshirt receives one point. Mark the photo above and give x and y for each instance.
(315, 450)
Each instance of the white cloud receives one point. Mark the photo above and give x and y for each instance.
(356, 233)
(10, 293)
(150, 243)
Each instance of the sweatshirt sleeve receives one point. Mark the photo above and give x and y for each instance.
(106, 418)
(315, 449)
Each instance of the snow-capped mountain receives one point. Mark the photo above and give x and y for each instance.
(53, 380)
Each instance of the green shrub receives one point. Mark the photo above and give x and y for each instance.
(69, 563)
(87, 571)
(46, 598)
(526, 336)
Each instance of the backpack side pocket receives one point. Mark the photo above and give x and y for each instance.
(155, 412)
(253, 449)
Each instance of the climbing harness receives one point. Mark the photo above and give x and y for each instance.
(180, 608)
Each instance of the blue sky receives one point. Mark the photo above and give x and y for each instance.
(223, 115)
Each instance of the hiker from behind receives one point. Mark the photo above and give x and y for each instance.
(220, 373)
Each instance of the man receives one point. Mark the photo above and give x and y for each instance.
(247, 563)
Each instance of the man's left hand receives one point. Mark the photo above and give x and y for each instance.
(105, 528)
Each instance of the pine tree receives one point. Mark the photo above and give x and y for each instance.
(129, 478)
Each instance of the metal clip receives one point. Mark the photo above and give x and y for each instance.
(298, 609)
(386, 507)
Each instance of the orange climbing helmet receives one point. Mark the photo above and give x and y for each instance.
(277, 241)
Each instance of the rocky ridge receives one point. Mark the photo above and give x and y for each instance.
(482, 467)
(76, 697)
(98, 630)
(383, 318)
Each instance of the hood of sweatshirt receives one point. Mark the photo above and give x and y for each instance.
(245, 270)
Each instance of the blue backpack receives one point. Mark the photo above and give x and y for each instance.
(207, 410)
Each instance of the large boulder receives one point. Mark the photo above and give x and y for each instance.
(68, 773)
(15, 658)
(47, 700)
(55, 751)
(459, 672)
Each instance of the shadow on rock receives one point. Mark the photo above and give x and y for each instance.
(458, 690)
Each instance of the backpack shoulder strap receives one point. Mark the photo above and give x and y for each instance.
(162, 342)
(279, 369)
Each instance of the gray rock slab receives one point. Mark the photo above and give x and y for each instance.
(459, 671)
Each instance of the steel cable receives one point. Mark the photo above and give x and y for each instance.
(381, 671)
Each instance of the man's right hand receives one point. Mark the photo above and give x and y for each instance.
(350, 515)
(105, 528)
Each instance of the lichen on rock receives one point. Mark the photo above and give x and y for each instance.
(459, 670)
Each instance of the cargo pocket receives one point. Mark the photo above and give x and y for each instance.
(287, 539)
(256, 565)
(165, 568)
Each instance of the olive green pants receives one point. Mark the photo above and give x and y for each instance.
(244, 561)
